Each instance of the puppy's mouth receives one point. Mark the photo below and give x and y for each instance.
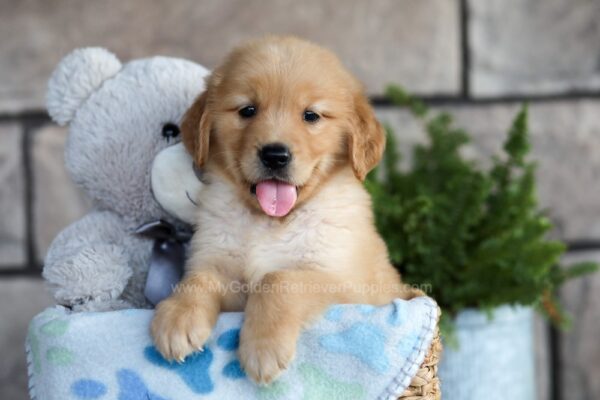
(275, 197)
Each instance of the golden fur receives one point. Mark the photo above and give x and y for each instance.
(325, 251)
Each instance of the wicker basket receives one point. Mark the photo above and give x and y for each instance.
(426, 384)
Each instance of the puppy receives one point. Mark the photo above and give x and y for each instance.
(285, 135)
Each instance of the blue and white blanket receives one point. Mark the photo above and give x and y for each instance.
(352, 352)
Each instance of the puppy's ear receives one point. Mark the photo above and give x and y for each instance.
(195, 130)
(367, 138)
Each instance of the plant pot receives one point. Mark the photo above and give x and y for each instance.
(494, 358)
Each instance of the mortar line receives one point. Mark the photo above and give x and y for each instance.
(465, 50)
(28, 194)
(29, 125)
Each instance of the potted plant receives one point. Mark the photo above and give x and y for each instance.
(478, 240)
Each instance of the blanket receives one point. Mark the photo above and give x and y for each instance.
(351, 352)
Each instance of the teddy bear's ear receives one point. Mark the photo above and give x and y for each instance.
(75, 78)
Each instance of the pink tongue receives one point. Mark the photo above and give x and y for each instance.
(276, 198)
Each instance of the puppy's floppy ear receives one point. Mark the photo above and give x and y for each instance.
(367, 138)
(195, 130)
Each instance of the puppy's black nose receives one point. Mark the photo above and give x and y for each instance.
(275, 155)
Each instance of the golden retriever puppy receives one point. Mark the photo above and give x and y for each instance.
(285, 136)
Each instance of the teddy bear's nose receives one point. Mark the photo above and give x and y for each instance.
(275, 155)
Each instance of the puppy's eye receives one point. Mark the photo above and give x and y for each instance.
(247, 112)
(170, 131)
(311, 116)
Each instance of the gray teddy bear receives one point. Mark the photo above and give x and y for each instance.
(124, 151)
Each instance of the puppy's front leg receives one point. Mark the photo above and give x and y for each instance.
(276, 311)
(183, 322)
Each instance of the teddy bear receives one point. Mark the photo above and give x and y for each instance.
(123, 149)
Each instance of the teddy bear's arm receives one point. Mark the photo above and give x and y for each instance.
(87, 266)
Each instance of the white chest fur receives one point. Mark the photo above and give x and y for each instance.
(248, 244)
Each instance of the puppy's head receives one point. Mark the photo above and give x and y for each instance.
(279, 116)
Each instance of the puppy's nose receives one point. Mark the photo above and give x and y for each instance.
(275, 155)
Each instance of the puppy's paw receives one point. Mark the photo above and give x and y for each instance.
(180, 328)
(265, 357)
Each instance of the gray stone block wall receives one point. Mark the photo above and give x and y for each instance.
(21, 299)
(57, 201)
(478, 59)
(361, 32)
(578, 350)
(12, 193)
(534, 46)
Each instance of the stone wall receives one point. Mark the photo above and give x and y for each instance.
(479, 59)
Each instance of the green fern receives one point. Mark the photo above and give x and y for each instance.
(476, 237)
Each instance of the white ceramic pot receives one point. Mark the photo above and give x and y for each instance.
(494, 359)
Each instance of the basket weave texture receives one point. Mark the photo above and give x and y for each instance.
(426, 384)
